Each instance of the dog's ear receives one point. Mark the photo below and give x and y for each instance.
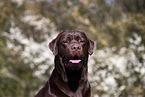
(91, 47)
(91, 43)
(53, 46)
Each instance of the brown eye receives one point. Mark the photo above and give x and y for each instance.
(65, 42)
(81, 41)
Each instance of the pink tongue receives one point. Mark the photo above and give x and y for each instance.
(74, 61)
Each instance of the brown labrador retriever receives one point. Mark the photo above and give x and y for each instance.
(69, 77)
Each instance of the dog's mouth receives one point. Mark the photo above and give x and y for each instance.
(75, 60)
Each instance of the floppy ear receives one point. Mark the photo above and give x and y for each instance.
(91, 47)
(53, 46)
(91, 44)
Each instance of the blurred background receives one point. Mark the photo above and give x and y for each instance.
(117, 67)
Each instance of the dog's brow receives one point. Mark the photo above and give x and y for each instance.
(68, 36)
(73, 35)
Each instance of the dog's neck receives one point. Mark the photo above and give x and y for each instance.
(71, 77)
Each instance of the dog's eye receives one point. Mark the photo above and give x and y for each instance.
(65, 42)
(81, 41)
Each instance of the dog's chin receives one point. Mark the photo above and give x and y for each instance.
(73, 66)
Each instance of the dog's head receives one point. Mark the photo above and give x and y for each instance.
(73, 47)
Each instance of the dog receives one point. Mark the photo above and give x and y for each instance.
(69, 77)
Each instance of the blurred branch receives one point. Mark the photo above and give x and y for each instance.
(4, 4)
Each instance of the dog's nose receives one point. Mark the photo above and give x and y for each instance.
(75, 47)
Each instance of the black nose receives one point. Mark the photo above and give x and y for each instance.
(75, 47)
